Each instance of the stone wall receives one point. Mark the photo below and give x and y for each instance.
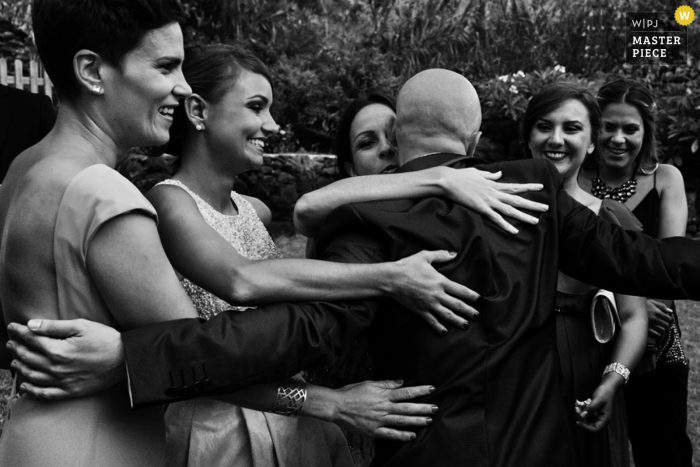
(282, 180)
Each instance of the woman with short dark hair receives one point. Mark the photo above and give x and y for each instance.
(78, 239)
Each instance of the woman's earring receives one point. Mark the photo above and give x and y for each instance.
(591, 148)
(97, 89)
(199, 127)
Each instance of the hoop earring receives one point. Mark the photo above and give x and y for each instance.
(97, 89)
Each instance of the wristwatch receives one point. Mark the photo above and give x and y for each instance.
(618, 368)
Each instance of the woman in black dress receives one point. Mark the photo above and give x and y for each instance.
(626, 168)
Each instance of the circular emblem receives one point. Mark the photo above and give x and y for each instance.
(684, 15)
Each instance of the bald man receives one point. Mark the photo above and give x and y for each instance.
(498, 388)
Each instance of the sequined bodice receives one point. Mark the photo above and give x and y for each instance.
(245, 232)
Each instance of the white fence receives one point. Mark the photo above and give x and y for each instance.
(12, 74)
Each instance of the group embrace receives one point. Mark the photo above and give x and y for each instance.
(470, 284)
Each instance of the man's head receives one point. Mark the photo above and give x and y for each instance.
(437, 111)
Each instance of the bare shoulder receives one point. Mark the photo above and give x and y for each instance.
(667, 172)
(261, 209)
(171, 199)
(669, 176)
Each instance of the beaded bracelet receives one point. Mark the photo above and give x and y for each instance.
(291, 395)
(618, 368)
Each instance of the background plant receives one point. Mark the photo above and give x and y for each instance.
(324, 53)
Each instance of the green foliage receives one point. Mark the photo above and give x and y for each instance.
(15, 29)
(508, 95)
(679, 108)
(324, 53)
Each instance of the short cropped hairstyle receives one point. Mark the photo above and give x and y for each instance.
(211, 71)
(549, 99)
(110, 28)
(343, 145)
(626, 91)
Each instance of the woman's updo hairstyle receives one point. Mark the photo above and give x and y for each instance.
(211, 71)
(110, 28)
(626, 91)
(549, 99)
(343, 145)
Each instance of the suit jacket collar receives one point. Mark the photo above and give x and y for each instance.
(437, 159)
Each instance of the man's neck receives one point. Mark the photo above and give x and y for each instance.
(411, 150)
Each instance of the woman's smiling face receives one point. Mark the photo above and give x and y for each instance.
(621, 136)
(241, 121)
(143, 91)
(564, 137)
(371, 132)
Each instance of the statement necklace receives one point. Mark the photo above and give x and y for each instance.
(600, 190)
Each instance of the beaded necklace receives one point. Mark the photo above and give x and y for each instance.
(600, 190)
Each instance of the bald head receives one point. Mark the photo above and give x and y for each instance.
(437, 111)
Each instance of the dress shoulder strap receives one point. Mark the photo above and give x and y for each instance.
(170, 181)
(202, 205)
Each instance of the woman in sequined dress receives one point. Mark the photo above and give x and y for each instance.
(626, 167)
(223, 126)
(561, 124)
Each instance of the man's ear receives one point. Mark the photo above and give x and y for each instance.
(89, 69)
(473, 143)
(197, 111)
(350, 169)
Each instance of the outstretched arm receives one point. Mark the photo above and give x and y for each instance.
(368, 408)
(203, 256)
(473, 188)
(188, 358)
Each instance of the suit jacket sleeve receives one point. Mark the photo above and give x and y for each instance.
(603, 254)
(190, 357)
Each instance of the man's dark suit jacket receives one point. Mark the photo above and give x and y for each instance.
(25, 118)
(498, 387)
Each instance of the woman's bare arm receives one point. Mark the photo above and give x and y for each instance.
(473, 188)
(366, 408)
(628, 349)
(199, 253)
(133, 275)
(673, 211)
